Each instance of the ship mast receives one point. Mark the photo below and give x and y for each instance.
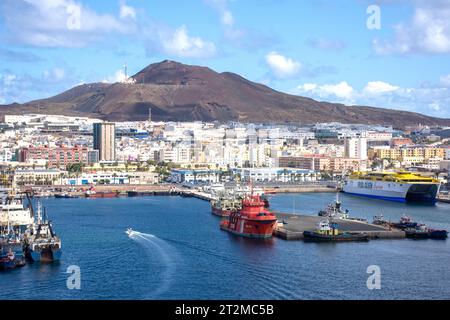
(39, 212)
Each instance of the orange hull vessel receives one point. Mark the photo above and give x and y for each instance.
(252, 221)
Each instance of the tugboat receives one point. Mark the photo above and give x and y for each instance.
(381, 221)
(419, 231)
(423, 232)
(42, 244)
(404, 223)
(253, 220)
(92, 193)
(223, 207)
(11, 256)
(326, 232)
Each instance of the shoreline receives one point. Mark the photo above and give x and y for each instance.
(167, 189)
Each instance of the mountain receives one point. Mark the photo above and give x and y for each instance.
(178, 92)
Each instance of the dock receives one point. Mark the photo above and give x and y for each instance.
(295, 224)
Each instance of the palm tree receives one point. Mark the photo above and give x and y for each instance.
(114, 177)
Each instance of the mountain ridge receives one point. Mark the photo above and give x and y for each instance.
(179, 92)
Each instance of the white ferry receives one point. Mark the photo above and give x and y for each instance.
(393, 186)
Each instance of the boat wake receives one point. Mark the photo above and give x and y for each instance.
(165, 254)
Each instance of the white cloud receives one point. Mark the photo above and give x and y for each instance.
(221, 6)
(378, 87)
(8, 79)
(428, 99)
(178, 43)
(24, 87)
(58, 23)
(445, 80)
(227, 18)
(435, 106)
(427, 31)
(127, 11)
(238, 36)
(55, 74)
(281, 66)
(341, 90)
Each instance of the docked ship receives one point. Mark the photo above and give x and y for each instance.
(253, 220)
(11, 251)
(65, 195)
(92, 193)
(329, 232)
(335, 210)
(14, 213)
(393, 186)
(15, 219)
(41, 243)
(417, 230)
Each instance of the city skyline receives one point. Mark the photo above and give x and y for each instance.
(321, 50)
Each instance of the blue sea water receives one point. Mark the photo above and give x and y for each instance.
(178, 252)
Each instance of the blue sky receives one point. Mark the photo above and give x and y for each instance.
(316, 48)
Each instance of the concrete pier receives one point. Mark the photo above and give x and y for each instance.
(294, 226)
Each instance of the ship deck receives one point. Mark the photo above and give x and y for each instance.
(295, 224)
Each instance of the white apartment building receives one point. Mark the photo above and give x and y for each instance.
(194, 176)
(278, 175)
(6, 155)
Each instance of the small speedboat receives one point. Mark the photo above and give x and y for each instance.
(129, 231)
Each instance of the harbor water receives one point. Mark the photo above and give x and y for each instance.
(177, 251)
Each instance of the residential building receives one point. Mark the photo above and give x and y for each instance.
(105, 140)
(56, 157)
(278, 175)
(356, 148)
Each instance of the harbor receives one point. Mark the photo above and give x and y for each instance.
(181, 246)
(290, 226)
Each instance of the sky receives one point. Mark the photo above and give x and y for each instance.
(386, 53)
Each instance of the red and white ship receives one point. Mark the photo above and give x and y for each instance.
(252, 221)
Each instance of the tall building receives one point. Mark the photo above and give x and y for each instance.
(105, 141)
(356, 148)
